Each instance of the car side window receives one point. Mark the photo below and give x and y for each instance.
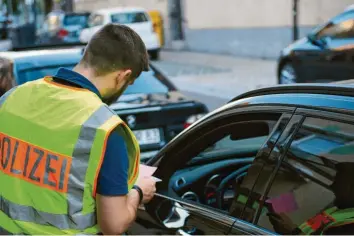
(129, 18)
(221, 160)
(95, 20)
(341, 28)
(303, 185)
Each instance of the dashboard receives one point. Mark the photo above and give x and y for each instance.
(203, 184)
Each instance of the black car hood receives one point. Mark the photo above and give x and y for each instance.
(128, 101)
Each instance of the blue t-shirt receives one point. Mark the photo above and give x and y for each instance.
(113, 177)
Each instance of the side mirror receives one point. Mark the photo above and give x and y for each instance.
(321, 42)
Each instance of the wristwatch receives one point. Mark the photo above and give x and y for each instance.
(141, 195)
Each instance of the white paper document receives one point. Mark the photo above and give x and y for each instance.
(147, 171)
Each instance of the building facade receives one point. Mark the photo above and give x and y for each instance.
(209, 14)
(256, 28)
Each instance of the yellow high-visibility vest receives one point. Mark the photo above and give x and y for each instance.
(52, 141)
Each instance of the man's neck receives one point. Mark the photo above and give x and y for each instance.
(89, 74)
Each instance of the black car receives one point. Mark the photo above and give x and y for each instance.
(153, 107)
(271, 150)
(326, 54)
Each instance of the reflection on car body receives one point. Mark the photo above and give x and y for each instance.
(281, 168)
(152, 107)
(326, 54)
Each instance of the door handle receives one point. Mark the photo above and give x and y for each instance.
(182, 232)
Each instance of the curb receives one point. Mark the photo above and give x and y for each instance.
(186, 49)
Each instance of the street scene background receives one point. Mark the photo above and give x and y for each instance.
(213, 51)
(224, 48)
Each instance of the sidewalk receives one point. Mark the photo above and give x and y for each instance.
(263, 43)
(217, 75)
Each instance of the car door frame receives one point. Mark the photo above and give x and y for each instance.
(302, 113)
(205, 212)
(282, 145)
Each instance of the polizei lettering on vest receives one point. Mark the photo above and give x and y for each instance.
(34, 164)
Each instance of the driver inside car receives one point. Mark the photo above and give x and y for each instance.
(247, 202)
(335, 220)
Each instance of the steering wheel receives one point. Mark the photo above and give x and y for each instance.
(234, 176)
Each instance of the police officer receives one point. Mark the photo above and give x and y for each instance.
(336, 220)
(68, 163)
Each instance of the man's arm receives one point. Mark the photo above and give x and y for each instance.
(115, 214)
(116, 208)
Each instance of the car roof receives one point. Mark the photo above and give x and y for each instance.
(340, 89)
(349, 8)
(349, 81)
(120, 10)
(41, 58)
(319, 96)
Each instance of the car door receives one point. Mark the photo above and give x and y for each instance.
(337, 38)
(205, 157)
(302, 184)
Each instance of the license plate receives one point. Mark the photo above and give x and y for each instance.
(148, 136)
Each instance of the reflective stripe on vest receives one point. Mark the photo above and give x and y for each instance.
(69, 203)
(60, 221)
(332, 217)
(79, 162)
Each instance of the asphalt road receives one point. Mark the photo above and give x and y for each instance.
(215, 79)
(211, 102)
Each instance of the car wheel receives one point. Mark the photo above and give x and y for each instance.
(154, 54)
(287, 74)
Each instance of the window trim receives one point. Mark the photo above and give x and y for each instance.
(214, 116)
(335, 115)
(284, 145)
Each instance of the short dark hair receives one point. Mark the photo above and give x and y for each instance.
(115, 47)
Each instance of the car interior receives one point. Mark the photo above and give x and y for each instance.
(308, 171)
(219, 169)
(216, 168)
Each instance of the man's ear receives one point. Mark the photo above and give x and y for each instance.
(127, 74)
(123, 75)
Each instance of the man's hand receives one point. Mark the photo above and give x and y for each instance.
(148, 186)
(116, 213)
(281, 223)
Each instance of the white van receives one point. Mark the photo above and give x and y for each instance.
(136, 18)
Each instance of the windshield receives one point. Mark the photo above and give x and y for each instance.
(146, 83)
(129, 18)
(341, 26)
(70, 20)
